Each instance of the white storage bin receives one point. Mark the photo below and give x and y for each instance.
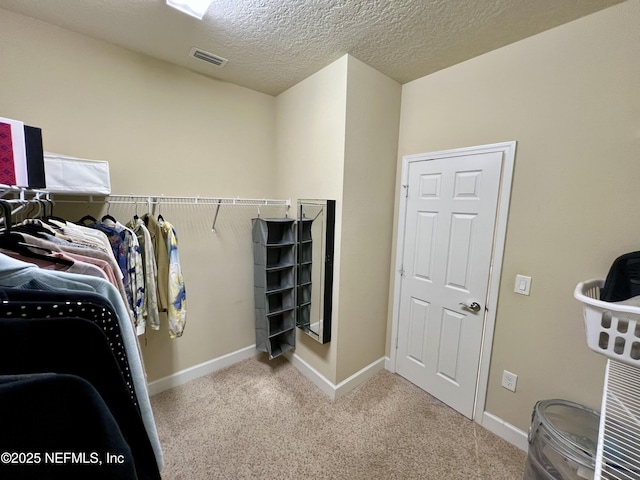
(76, 176)
(613, 329)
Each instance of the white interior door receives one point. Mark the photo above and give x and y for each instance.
(447, 243)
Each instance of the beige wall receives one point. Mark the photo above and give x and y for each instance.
(168, 131)
(337, 139)
(310, 121)
(373, 110)
(570, 97)
(164, 130)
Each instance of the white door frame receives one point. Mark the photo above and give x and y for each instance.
(508, 150)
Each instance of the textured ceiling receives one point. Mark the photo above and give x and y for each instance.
(273, 44)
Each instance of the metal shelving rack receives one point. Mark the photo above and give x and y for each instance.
(613, 330)
(20, 194)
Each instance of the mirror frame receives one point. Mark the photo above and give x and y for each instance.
(327, 280)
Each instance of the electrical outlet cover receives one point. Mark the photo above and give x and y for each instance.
(509, 380)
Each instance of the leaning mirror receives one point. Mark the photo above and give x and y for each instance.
(315, 232)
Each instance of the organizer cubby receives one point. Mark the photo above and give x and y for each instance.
(281, 322)
(304, 294)
(278, 279)
(305, 260)
(304, 274)
(305, 252)
(274, 259)
(304, 316)
(282, 343)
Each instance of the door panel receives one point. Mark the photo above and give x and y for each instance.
(425, 236)
(448, 238)
(417, 335)
(460, 243)
(450, 335)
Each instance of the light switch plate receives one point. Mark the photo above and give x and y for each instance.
(523, 285)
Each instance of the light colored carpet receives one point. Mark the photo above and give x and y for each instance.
(264, 420)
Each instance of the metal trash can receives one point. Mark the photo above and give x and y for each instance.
(563, 439)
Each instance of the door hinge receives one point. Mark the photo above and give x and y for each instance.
(397, 341)
(406, 190)
(401, 271)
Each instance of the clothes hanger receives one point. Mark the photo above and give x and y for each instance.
(42, 218)
(107, 216)
(35, 229)
(32, 226)
(6, 216)
(22, 206)
(150, 211)
(37, 225)
(160, 217)
(135, 215)
(85, 219)
(51, 216)
(39, 203)
(26, 213)
(13, 241)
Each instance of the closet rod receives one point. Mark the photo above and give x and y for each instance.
(23, 191)
(154, 200)
(149, 199)
(176, 200)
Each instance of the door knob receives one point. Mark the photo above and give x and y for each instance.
(473, 306)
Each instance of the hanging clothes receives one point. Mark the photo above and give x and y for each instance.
(51, 231)
(150, 312)
(176, 291)
(85, 254)
(64, 287)
(36, 300)
(135, 270)
(126, 251)
(161, 252)
(80, 232)
(15, 273)
(75, 418)
(143, 258)
(78, 347)
(76, 266)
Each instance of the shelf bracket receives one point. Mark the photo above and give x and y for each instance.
(215, 217)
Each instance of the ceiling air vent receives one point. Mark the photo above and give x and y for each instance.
(207, 57)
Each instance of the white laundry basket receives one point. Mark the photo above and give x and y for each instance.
(613, 329)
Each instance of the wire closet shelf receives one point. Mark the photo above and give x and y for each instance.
(152, 201)
(613, 330)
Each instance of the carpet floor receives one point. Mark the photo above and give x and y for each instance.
(261, 419)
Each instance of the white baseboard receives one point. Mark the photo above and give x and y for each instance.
(191, 373)
(312, 374)
(387, 364)
(494, 424)
(359, 377)
(330, 389)
(506, 431)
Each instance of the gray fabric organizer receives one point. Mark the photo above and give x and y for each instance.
(274, 263)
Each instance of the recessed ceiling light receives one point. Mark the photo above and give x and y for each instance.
(195, 8)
